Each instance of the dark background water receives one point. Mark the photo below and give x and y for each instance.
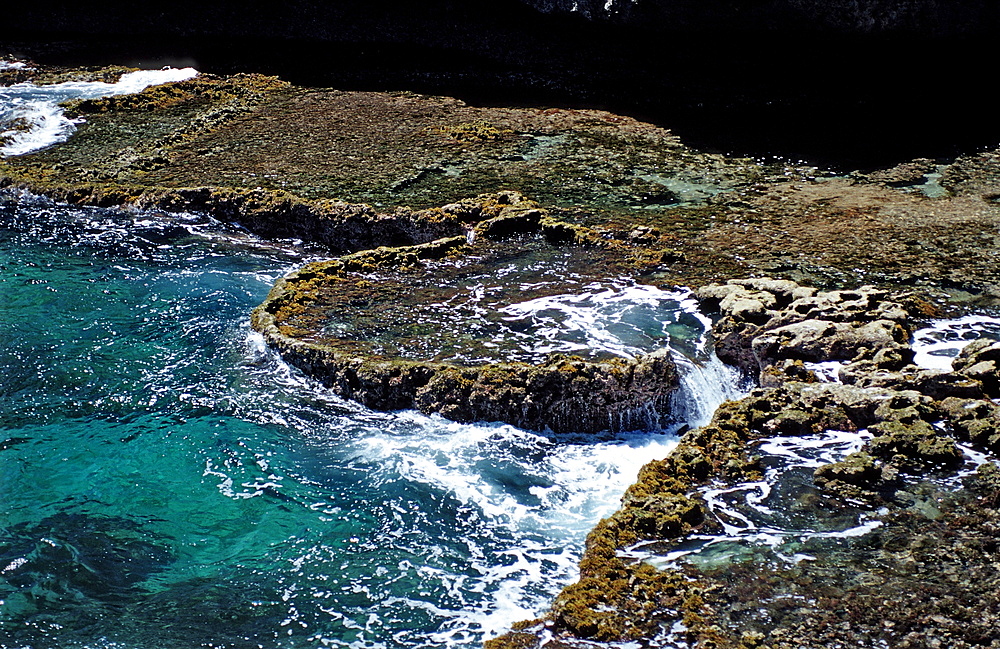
(806, 80)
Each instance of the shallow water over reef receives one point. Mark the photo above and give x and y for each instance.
(518, 300)
(784, 518)
(167, 482)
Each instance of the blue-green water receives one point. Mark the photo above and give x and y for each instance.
(166, 482)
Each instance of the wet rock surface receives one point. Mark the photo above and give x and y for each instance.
(385, 176)
(387, 327)
(715, 216)
(766, 321)
(919, 487)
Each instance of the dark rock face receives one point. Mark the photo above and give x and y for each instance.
(848, 16)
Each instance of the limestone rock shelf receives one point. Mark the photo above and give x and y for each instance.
(410, 327)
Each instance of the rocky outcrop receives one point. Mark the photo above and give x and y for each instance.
(912, 422)
(699, 62)
(980, 361)
(562, 394)
(766, 321)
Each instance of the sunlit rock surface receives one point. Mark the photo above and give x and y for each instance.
(873, 508)
(436, 327)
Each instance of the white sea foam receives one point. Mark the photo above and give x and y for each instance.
(548, 492)
(704, 386)
(619, 319)
(541, 493)
(826, 371)
(31, 118)
(936, 345)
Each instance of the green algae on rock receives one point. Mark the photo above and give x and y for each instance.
(388, 327)
(869, 584)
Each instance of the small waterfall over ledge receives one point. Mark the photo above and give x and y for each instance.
(704, 385)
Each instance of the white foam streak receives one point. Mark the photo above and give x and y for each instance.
(31, 118)
(549, 492)
(744, 513)
(620, 320)
(826, 371)
(936, 345)
(544, 492)
(704, 387)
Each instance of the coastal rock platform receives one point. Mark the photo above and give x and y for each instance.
(403, 327)
(920, 512)
(275, 157)
(896, 537)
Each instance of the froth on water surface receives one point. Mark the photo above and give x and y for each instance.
(168, 482)
(31, 117)
(937, 344)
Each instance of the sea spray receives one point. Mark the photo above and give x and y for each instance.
(31, 117)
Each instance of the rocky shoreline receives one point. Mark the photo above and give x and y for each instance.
(896, 583)
(838, 267)
(562, 394)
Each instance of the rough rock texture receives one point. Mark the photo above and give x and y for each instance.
(912, 580)
(980, 361)
(765, 321)
(563, 393)
(712, 216)
(700, 66)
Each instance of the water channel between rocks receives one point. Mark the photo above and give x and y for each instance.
(780, 519)
(168, 481)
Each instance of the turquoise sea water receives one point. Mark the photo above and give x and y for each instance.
(165, 481)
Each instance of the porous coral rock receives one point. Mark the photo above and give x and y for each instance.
(765, 321)
(914, 417)
(980, 361)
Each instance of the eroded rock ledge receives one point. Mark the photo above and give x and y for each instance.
(921, 575)
(561, 393)
(289, 161)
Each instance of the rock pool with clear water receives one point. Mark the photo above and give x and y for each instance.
(167, 482)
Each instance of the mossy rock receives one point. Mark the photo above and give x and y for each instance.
(347, 322)
(914, 446)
